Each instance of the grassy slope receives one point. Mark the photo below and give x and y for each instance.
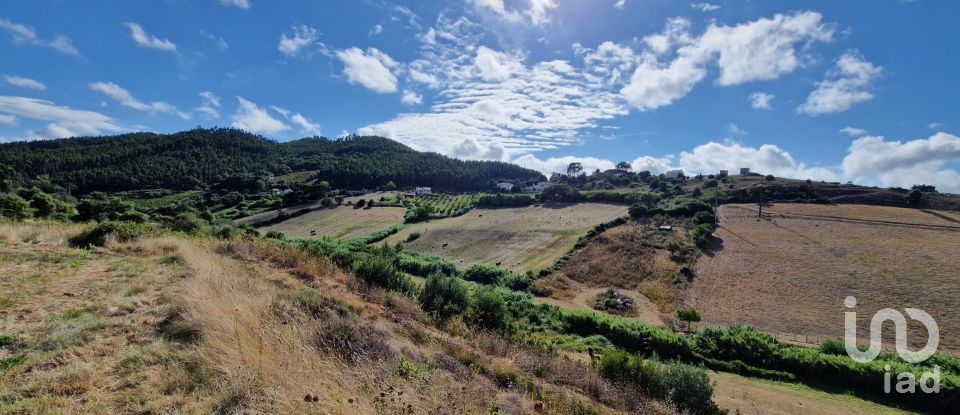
(520, 239)
(197, 326)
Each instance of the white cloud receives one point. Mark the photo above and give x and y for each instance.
(495, 100)
(705, 7)
(24, 82)
(64, 121)
(146, 40)
(22, 34)
(559, 164)
(620, 4)
(735, 130)
(7, 119)
(537, 12)
(372, 69)
(252, 118)
(651, 164)
(761, 100)
(210, 104)
(495, 66)
(301, 37)
(853, 132)
(849, 85)
(934, 125)
(125, 98)
(874, 160)
(764, 49)
(243, 4)
(219, 41)
(411, 98)
(305, 124)
(767, 159)
(377, 29)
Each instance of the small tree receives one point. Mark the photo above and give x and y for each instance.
(13, 207)
(361, 203)
(688, 315)
(444, 296)
(489, 309)
(914, 197)
(624, 166)
(574, 168)
(770, 178)
(390, 186)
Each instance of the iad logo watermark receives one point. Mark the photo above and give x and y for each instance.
(906, 381)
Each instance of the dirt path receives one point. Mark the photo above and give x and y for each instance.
(646, 310)
(748, 396)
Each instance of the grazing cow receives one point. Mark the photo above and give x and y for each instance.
(445, 245)
(498, 264)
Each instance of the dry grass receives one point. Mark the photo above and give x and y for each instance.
(791, 273)
(339, 222)
(191, 326)
(519, 239)
(617, 258)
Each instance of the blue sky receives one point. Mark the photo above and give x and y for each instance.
(854, 90)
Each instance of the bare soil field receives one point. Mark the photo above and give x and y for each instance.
(643, 311)
(339, 222)
(518, 239)
(790, 271)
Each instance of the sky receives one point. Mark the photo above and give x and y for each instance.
(862, 91)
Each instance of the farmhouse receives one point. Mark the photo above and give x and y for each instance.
(505, 186)
(537, 188)
(673, 174)
(422, 191)
(744, 171)
(665, 228)
(724, 173)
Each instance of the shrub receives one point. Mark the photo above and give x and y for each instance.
(689, 388)
(444, 297)
(275, 235)
(13, 207)
(380, 271)
(638, 210)
(413, 236)
(97, 235)
(834, 347)
(185, 222)
(489, 309)
(703, 217)
(484, 274)
(688, 314)
(702, 234)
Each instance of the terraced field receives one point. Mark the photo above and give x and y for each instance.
(339, 222)
(518, 239)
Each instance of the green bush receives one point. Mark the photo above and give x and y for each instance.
(413, 236)
(703, 217)
(444, 296)
(489, 309)
(834, 347)
(13, 207)
(380, 271)
(688, 387)
(688, 314)
(484, 274)
(97, 235)
(702, 234)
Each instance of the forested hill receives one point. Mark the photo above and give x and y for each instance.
(199, 157)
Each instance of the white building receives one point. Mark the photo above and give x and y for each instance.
(505, 186)
(537, 188)
(673, 174)
(421, 191)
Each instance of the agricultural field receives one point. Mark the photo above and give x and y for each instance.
(518, 239)
(447, 205)
(790, 271)
(339, 222)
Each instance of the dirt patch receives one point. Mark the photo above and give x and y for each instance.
(643, 309)
(790, 273)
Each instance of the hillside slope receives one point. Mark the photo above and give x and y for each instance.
(194, 158)
(168, 324)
